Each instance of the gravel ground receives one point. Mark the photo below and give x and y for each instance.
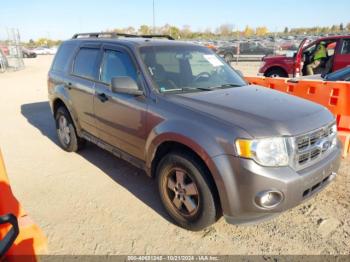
(94, 203)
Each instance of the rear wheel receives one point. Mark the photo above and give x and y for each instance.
(228, 57)
(66, 132)
(185, 192)
(276, 73)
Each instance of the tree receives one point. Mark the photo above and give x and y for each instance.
(348, 26)
(341, 27)
(174, 32)
(119, 30)
(225, 30)
(186, 31)
(145, 30)
(286, 30)
(334, 28)
(165, 29)
(261, 31)
(248, 32)
(130, 30)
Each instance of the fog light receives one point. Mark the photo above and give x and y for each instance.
(269, 199)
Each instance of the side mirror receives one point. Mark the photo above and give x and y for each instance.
(125, 85)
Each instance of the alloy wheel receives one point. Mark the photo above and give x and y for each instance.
(63, 130)
(182, 192)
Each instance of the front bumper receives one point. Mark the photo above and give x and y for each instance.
(243, 180)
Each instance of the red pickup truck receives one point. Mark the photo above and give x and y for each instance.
(338, 49)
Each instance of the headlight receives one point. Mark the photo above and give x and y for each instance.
(334, 129)
(266, 152)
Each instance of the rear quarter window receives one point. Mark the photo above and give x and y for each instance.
(63, 57)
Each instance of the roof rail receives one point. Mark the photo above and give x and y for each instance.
(116, 35)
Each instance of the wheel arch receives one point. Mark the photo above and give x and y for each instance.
(57, 103)
(276, 67)
(200, 156)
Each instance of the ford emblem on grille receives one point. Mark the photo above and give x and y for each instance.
(324, 144)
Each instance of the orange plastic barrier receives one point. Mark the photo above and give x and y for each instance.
(31, 240)
(333, 95)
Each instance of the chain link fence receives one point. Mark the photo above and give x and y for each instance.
(11, 56)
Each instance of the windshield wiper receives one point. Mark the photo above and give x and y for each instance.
(210, 88)
(197, 88)
(225, 86)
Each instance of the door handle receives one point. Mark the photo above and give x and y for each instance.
(102, 97)
(9, 239)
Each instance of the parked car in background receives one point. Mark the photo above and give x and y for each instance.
(228, 52)
(45, 50)
(254, 48)
(53, 50)
(216, 145)
(27, 53)
(5, 50)
(338, 49)
(41, 50)
(339, 75)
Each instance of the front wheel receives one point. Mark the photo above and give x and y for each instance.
(66, 132)
(186, 192)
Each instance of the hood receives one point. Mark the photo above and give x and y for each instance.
(260, 111)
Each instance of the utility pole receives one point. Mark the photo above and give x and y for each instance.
(154, 20)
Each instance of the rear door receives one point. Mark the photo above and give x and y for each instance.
(120, 118)
(81, 84)
(342, 55)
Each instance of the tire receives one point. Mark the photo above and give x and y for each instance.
(276, 73)
(66, 132)
(25, 56)
(185, 191)
(228, 57)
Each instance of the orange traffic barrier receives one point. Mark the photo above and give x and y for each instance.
(30, 241)
(333, 95)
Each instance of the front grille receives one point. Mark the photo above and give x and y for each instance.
(313, 146)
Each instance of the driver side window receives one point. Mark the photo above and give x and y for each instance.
(116, 64)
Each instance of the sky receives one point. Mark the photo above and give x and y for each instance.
(60, 19)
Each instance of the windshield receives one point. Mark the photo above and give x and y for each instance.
(188, 68)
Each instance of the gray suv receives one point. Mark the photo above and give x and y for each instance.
(216, 145)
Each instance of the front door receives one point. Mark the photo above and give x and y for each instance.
(120, 118)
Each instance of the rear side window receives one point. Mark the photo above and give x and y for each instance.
(63, 57)
(85, 64)
(345, 50)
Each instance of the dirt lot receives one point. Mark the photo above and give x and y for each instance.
(93, 203)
